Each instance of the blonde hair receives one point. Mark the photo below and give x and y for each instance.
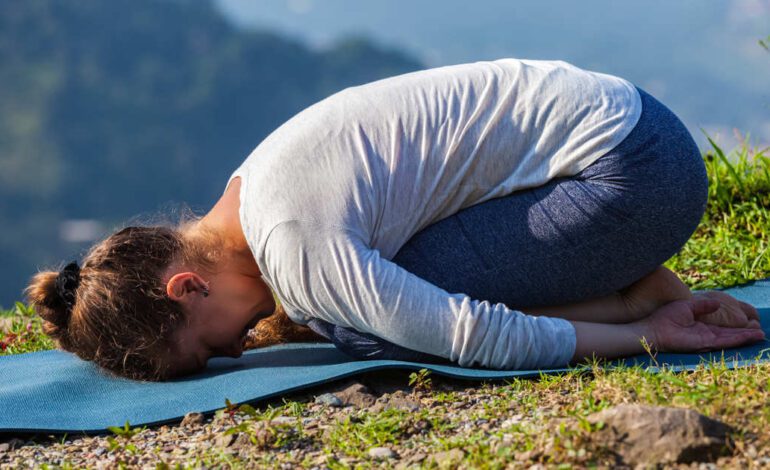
(121, 318)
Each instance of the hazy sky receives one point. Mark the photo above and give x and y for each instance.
(699, 57)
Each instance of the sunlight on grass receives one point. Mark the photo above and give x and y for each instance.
(21, 331)
(731, 245)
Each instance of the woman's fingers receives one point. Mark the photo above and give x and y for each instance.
(731, 313)
(696, 325)
(751, 311)
(703, 306)
(733, 337)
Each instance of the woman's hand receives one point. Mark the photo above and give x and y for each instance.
(679, 327)
(731, 312)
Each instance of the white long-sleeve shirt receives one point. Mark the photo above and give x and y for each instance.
(331, 195)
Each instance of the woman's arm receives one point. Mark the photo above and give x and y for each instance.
(634, 302)
(607, 309)
(675, 327)
(608, 340)
(333, 275)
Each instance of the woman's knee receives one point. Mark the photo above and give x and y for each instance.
(680, 195)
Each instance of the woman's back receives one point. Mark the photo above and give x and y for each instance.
(393, 156)
(331, 195)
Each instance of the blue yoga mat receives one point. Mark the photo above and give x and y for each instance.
(56, 392)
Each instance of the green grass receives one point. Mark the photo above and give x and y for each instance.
(533, 421)
(730, 246)
(22, 331)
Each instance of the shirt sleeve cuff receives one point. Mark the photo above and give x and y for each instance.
(565, 331)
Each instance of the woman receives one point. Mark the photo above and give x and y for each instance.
(506, 214)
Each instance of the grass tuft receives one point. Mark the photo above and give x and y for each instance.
(730, 245)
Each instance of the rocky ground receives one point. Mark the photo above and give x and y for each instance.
(378, 420)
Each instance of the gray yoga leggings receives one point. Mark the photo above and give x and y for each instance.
(572, 239)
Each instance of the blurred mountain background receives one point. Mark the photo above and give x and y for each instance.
(109, 109)
(113, 108)
(701, 58)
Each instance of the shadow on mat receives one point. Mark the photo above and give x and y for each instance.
(313, 354)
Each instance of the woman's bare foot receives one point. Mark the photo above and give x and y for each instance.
(652, 292)
(663, 286)
(629, 304)
(645, 296)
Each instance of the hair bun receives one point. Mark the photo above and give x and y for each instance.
(66, 284)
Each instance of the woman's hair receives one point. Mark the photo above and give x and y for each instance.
(117, 314)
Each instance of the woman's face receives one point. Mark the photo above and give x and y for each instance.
(217, 323)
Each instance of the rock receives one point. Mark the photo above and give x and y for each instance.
(224, 440)
(513, 420)
(398, 400)
(447, 457)
(191, 419)
(13, 443)
(261, 436)
(242, 441)
(283, 421)
(411, 461)
(356, 394)
(309, 423)
(264, 435)
(420, 426)
(171, 446)
(381, 453)
(329, 399)
(4, 447)
(660, 435)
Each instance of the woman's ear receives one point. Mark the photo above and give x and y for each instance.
(181, 287)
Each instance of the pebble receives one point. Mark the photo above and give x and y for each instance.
(283, 420)
(224, 440)
(243, 440)
(515, 419)
(329, 399)
(14, 443)
(357, 395)
(417, 457)
(398, 400)
(381, 453)
(193, 418)
(447, 457)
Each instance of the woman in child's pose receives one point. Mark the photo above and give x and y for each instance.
(511, 214)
